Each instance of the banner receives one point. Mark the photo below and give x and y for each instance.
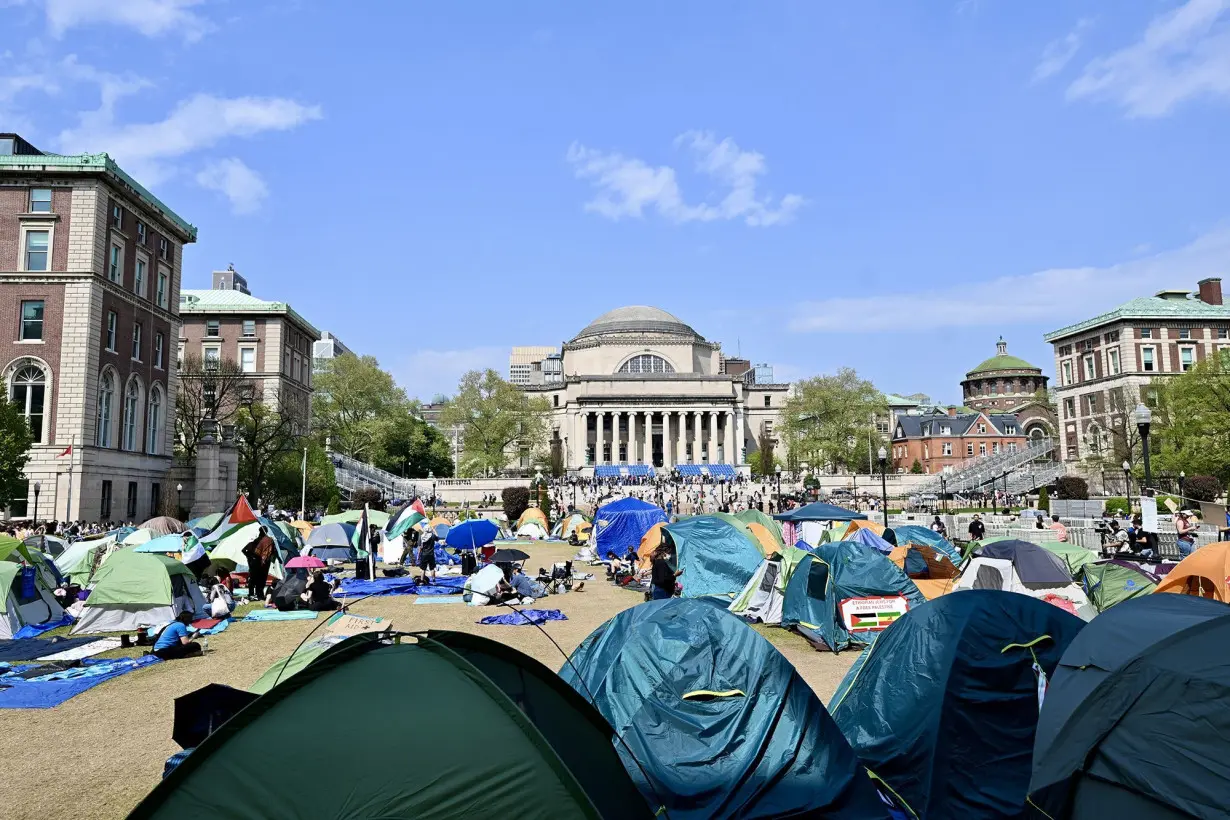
(872, 614)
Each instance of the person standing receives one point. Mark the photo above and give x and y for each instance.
(976, 529)
(1185, 533)
(259, 553)
(663, 575)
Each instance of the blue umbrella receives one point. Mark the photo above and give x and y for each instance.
(475, 533)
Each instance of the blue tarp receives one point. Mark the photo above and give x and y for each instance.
(914, 534)
(620, 525)
(868, 538)
(12, 651)
(711, 470)
(406, 585)
(34, 630)
(820, 511)
(711, 720)
(526, 617)
(716, 558)
(44, 694)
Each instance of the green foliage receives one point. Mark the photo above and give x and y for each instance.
(1192, 421)
(1202, 488)
(916, 468)
(544, 503)
(15, 442)
(367, 496)
(335, 505)
(410, 447)
(493, 416)
(284, 483)
(763, 462)
(829, 419)
(1117, 505)
(354, 403)
(516, 501)
(1071, 488)
(1044, 500)
(263, 434)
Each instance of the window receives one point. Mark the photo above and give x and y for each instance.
(768, 401)
(1090, 373)
(213, 327)
(179, 357)
(117, 216)
(947, 448)
(1112, 361)
(1066, 373)
(164, 249)
(40, 200)
(153, 422)
(969, 449)
(1012, 446)
(249, 327)
(1146, 360)
(29, 393)
(136, 341)
(155, 498)
(247, 359)
(995, 448)
(1184, 333)
(1146, 333)
(105, 507)
(646, 363)
(1113, 336)
(982, 448)
(1009, 429)
(138, 277)
(294, 368)
(1065, 350)
(141, 237)
(1069, 408)
(38, 250)
(132, 398)
(106, 400)
(162, 289)
(945, 430)
(1223, 333)
(1091, 403)
(32, 320)
(112, 321)
(212, 356)
(555, 400)
(158, 345)
(115, 264)
(1187, 358)
(132, 501)
(982, 428)
(994, 388)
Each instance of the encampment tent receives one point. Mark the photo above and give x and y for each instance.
(650, 541)
(931, 570)
(943, 706)
(135, 590)
(380, 518)
(812, 520)
(230, 550)
(762, 598)
(753, 516)
(1136, 715)
(532, 530)
(1111, 582)
(1205, 573)
(1036, 566)
(517, 737)
(716, 558)
(566, 525)
(914, 534)
(77, 562)
(761, 539)
(1074, 556)
(27, 581)
(713, 721)
(844, 593)
(331, 542)
(532, 514)
(620, 525)
(868, 537)
(1002, 574)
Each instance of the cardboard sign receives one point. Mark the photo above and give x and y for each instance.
(872, 614)
(343, 625)
(1148, 514)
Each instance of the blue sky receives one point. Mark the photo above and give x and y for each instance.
(883, 185)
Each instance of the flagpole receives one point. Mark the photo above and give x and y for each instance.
(303, 490)
(72, 453)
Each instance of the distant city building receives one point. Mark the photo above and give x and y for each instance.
(268, 340)
(1105, 365)
(90, 265)
(937, 441)
(325, 349)
(523, 361)
(1008, 384)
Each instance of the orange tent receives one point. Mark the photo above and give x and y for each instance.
(856, 525)
(767, 542)
(533, 514)
(1205, 573)
(939, 577)
(650, 541)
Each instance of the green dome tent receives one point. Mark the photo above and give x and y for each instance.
(517, 741)
(136, 590)
(751, 516)
(1114, 581)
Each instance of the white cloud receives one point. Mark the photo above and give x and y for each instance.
(1055, 296)
(628, 186)
(239, 183)
(151, 18)
(427, 372)
(1058, 53)
(196, 123)
(1184, 54)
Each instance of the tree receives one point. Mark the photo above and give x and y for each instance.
(263, 433)
(763, 462)
(1202, 488)
(353, 403)
(829, 418)
(15, 441)
(516, 501)
(916, 468)
(207, 390)
(1071, 488)
(1191, 420)
(1044, 500)
(335, 505)
(410, 447)
(493, 417)
(369, 496)
(284, 483)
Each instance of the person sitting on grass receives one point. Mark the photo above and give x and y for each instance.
(615, 567)
(221, 602)
(175, 642)
(320, 593)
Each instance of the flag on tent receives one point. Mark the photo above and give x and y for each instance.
(239, 514)
(408, 516)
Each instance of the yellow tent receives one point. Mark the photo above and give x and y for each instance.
(584, 530)
(439, 519)
(304, 528)
(765, 539)
(650, 541)
(937, 579)
(855, 526)
(533, 514)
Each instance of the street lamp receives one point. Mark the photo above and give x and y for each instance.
(1127, 485)
(1144, 419)
(38, 486)
(432, 476)
(179, 496)
(1182, 488)
(883, 455)
(944, 492)
(779, 487)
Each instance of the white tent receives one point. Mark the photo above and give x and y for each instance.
(18, 609)
(231, 548)
(532, 530)
(998, 573)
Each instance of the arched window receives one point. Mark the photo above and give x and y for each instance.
(106, 406)
(132, 410)
(153, 421)
(646, 363)
(29, 393)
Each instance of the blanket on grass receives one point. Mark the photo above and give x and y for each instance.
(525, 617)
(51, 690)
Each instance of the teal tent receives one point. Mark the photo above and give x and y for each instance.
(716, 558)
(845, 593)
(517, 741)
(914, 534)
(943, 706)
(714, 721)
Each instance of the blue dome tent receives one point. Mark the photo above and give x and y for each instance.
(716, 558)
(620, 525)
(716, 722)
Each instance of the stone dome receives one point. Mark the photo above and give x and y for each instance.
(637, 320)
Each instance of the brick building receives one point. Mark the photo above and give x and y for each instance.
(1009, 384)
(90, 265)
(268, 340)
(940, 440)
(1104, 365)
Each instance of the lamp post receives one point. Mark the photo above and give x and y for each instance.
(38, 486)
(574, 492)
(883, 455)
(1182, 489)
(1144, 419)
(432, 476)
(179, 499)
(1005, 476)
(1127, 485)
(944, 492)
(779, 487)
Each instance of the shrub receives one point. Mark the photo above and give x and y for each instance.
(368, 496)
(1202, 488)
(1044, 500)
(1117, 505)
(335, 505)
(516, 501)
(916, 467)
(544, 503)
(1072, 488)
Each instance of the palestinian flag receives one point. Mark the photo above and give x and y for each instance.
(239, 514)
(405, 518)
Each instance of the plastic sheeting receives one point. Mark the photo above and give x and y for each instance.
(44, 694)
(34, 630)
(525, 617)
(620, 525)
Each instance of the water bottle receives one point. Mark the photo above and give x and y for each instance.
(204, 645)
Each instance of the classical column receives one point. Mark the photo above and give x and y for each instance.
(729, 437)
(668, 455)
(740, 437)
(713, 454)
(634, 439)
(696, 436)
(681, 443)
(615, 425)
